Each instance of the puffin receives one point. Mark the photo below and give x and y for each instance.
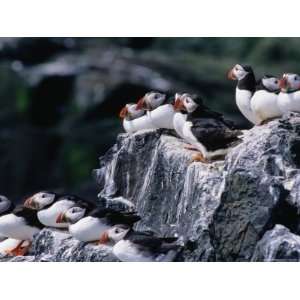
(244, 90)
(289, 96)
(21, 224)
(159, 109)
(264, 101)
(88, 228)
(206, 130)
(40, 200)
(135, 119)
(6, 206)
(134, 246)
(50, 213)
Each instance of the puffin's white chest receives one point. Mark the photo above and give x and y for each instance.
(178, 123)
(16, 228)
(265, 105)
(49, 216)
(8, 245)
(243, 100)
(162, 117)
(284, 102)
(135, 125)
(289, 102)
(125, 251)
(87, 229)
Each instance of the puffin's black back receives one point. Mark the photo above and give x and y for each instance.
(88, 205)
(113, 217)
(30, 216)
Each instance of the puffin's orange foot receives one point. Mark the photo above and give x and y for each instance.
(19, 250)
(190, 147)
(198, 157)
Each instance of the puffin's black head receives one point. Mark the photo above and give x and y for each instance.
(114, 234)
(290, 82)
(72, 215)
(238, 72)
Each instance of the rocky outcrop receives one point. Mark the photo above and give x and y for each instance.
(223, 208)
(245, 208)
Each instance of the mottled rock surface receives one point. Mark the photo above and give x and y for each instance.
(245, 208)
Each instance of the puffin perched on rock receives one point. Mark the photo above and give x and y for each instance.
(264, 101)
(244, 90)
(135, 119)
(134, 246)
(206, 130)
(88, 228)
(6, 206)
(289, 97)
(21, 224)
(159, 109)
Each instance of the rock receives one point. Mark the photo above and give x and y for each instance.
(245, 208)
(278, 244)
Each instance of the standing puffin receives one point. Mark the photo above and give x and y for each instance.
(135, 119)
(244, 90)
(89, 228)
(6, 206)
(134, 246)
(21, 224)
(289, 97)
(159, 109)
(206, 130)
(264, 101)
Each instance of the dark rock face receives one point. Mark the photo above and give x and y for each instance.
(245, 208)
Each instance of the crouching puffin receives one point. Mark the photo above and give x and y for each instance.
(49, 211)
(135, 119)
(244, 90)
(264, 101)
(159, 109)
(6, 206)
(206, 130)
(289, 97)
(134, 246)
(21, 224)
(88, 228)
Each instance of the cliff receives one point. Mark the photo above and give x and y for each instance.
(246, 208)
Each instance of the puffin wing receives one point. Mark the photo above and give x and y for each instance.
(213, 133)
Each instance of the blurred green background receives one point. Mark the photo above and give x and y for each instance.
(60, 97)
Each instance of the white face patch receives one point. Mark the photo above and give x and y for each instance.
(43, 199)
(293, 81)
(74, 214)
(117, 233)
(189, 103)
(239, 72)
(272, 84)
(134, 112)
(154, 99)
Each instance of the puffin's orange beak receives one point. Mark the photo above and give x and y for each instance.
(283, 83)
(178, 105)
(61, 218)
(29, 203)
(104, 239)
(141, 104)
(123, 112)
(230, 75)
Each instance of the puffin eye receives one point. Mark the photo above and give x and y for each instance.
(43, 196)
(117, 231)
